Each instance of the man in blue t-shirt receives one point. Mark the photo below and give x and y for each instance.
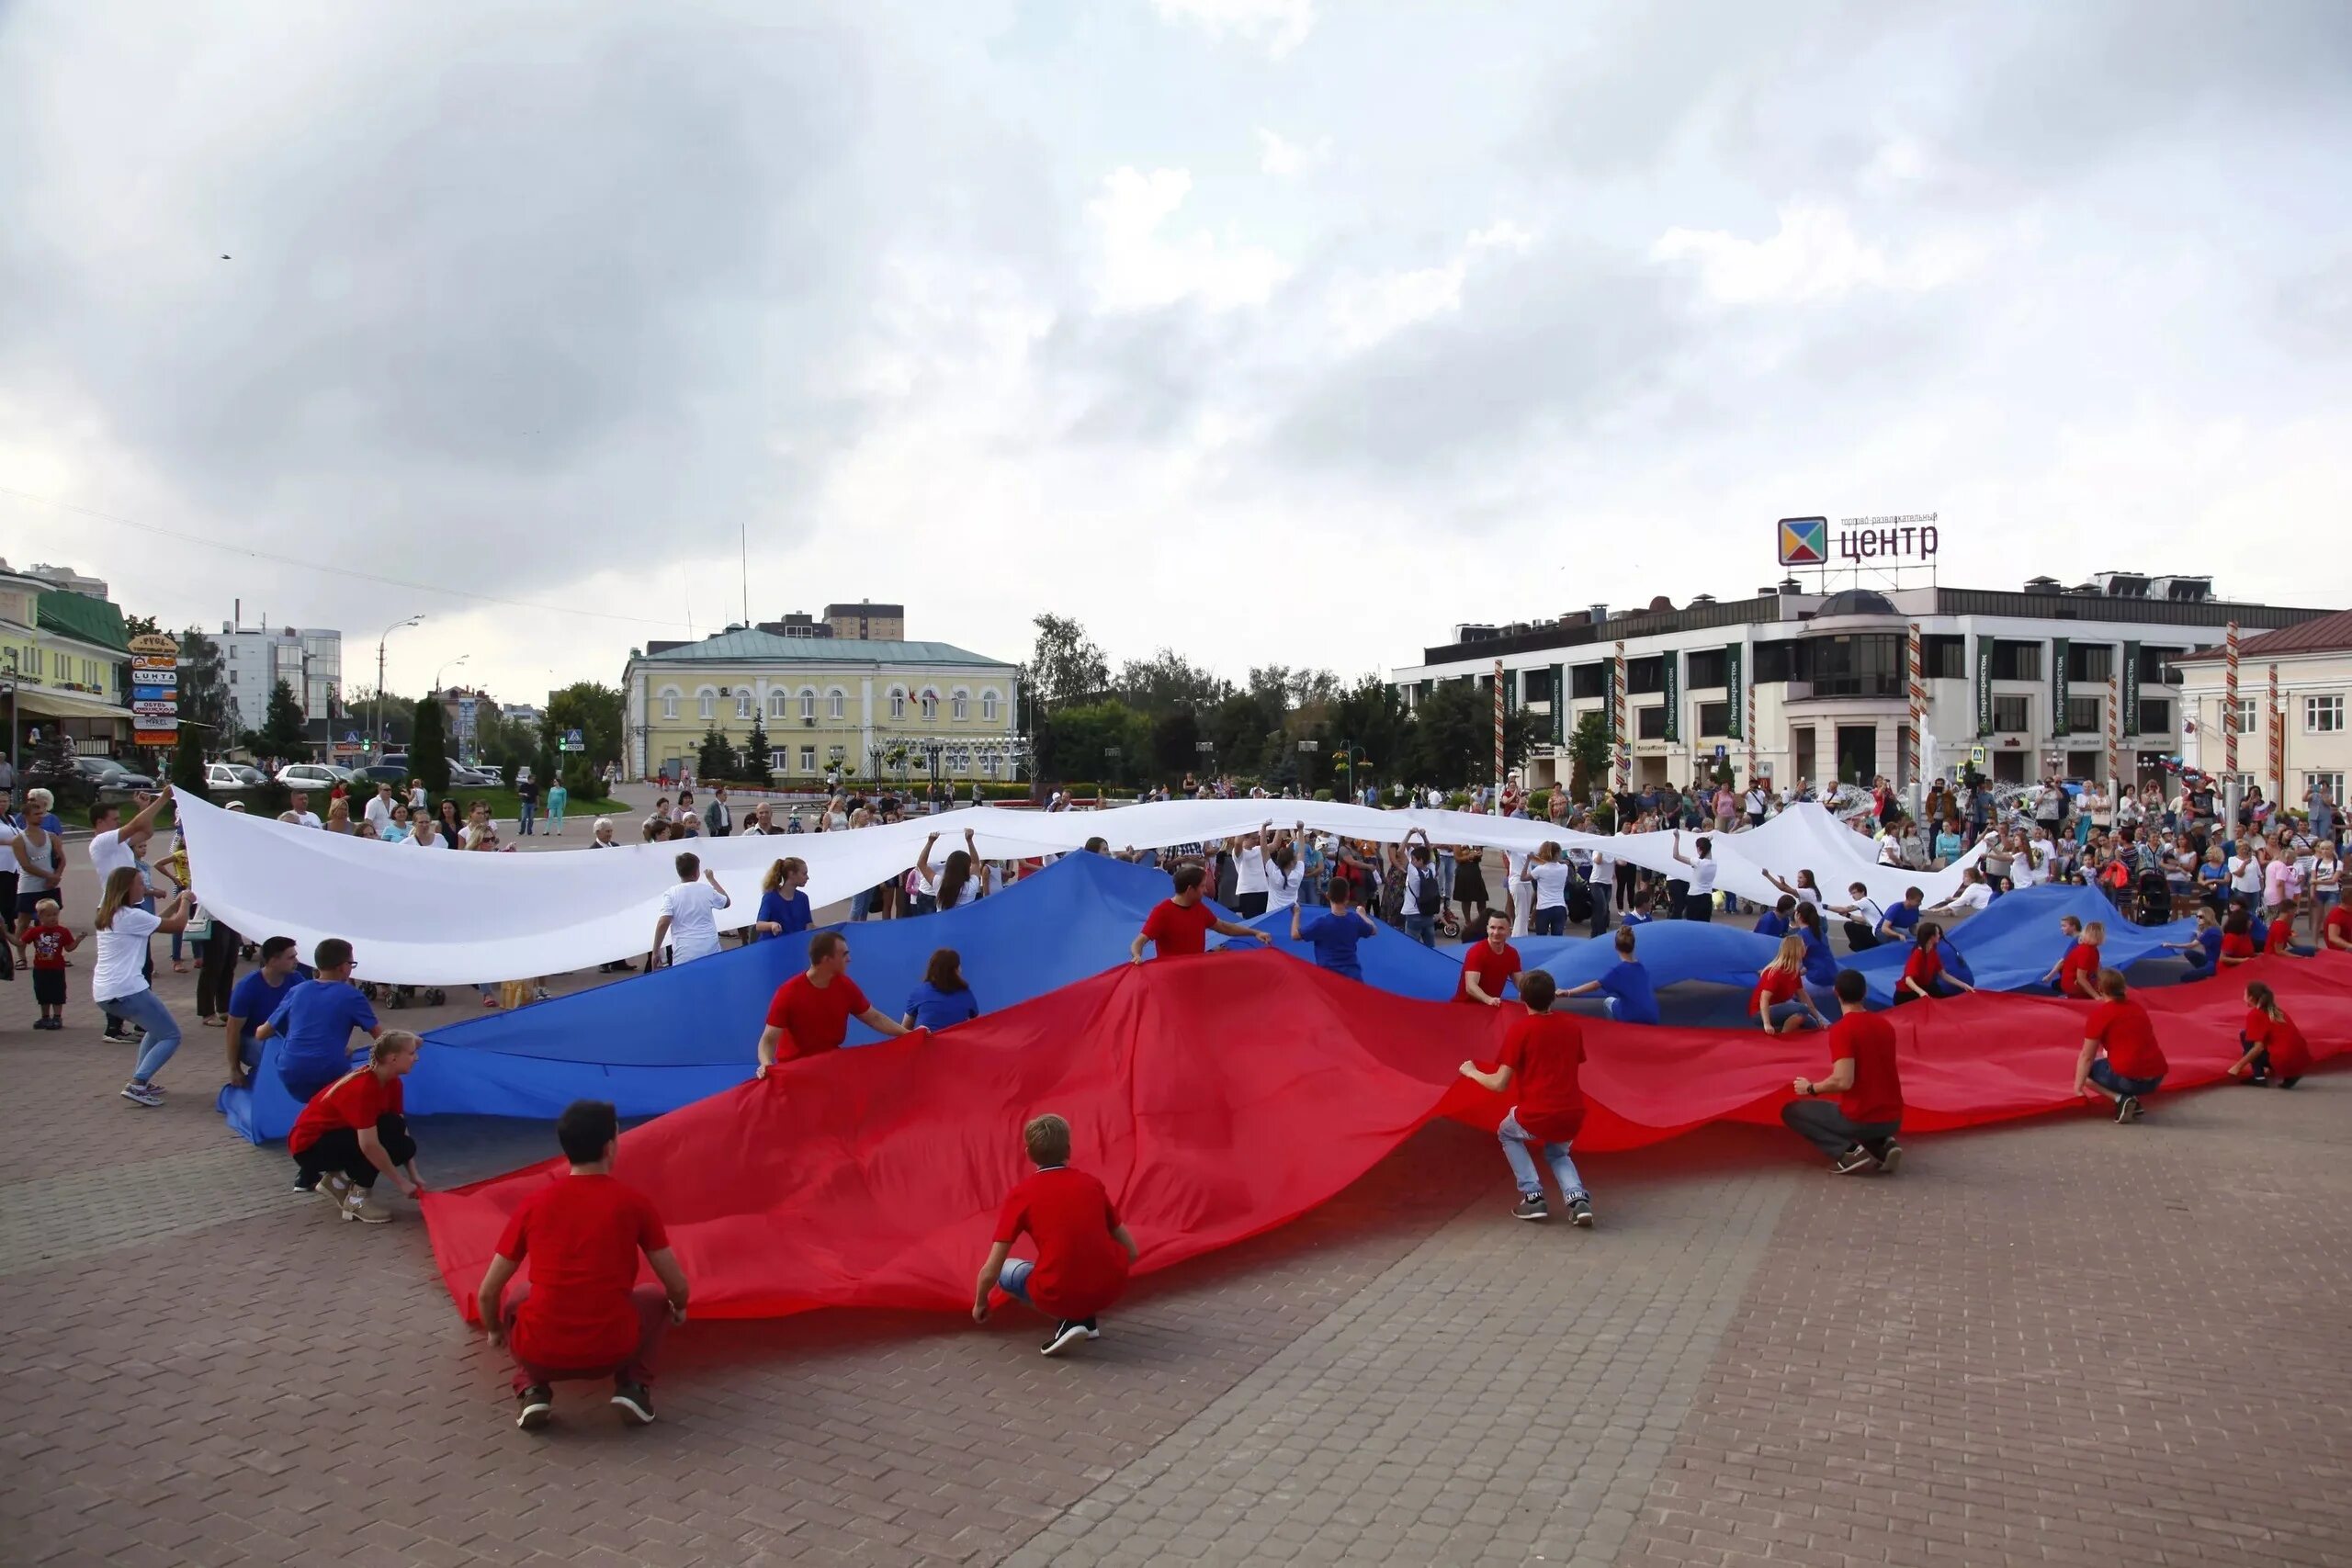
(1901, 921)
(254, 1002)
(1336, 932)
(315, 1020)
(1626, 989)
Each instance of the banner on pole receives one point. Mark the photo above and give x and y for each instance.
(2058, 692)
(1984, 686)
(2129, 714)
(1673, 696)
(1735, 692)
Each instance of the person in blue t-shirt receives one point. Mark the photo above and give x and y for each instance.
(1336, 932)
(1639, 914)
(784, 909)
(1779, 920)
(2203, 951)
(1901, 921)
(254, 1002)
(943, 997)
(315, 1020)
(1625, 989)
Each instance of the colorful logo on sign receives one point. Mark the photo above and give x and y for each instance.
(1804, 541)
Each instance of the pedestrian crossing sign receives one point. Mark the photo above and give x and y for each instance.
(1804, 541)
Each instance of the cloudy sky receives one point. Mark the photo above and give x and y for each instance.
(1275, 329)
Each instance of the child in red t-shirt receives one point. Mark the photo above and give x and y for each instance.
(1082, 1250)
(1543, 1054)
(2273, 1043)
(2120, 1058)
(45, 945)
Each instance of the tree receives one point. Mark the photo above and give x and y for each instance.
(283, 733)
(1454, 736)
(1588, 755)
(187, 763)
(428, 750)
(1066, 666)
(599, 713)
(714, 759)
(1175, 744)
(208, 709)
(141, 625)
(1167, 681)
(755, 769)
(50, 765)
(1081, 739)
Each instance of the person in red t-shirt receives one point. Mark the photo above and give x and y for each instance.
(1487, 966)
(2280, 937)
(582, 1314)
(1542, 1052)
(2335, 935)
(2273, 1043)
(1181, 924)
(2237, 936)
(2133, 1065)
(1924, 974)
(1858, 1133)
(354, 1130)
(809, 1013)
(45, 945)
(1082, 1250)
(1780, 1001)
(2075, 975)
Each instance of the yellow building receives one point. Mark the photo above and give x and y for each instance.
(61, 661)
(866, 709)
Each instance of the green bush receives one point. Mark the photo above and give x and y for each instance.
(1324, 796)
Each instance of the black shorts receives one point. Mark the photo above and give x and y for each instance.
(49, 988)
(29, 903)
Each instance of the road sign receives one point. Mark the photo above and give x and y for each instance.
(1722, 752)
(1976, 756)
(573, 741)
(165, 708)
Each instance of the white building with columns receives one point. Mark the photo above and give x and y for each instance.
(2291, 688)
(1812, 685)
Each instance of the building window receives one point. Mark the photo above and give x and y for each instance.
(808, 759)
(1714, 719)
(987, 764)
(2156, 715)
(777, 758)
(777, 702)
(898, 702)
(987, 707)
(833, 700)
(2245, 716)
(1649, 724)
(743, 704)
(2017, 661)
(959, 706)
(2010, 716)
(2082, 716)
(2090, 660)
(708, 701)
(1588, 680)
(809, 705)
(1862, 665)
(1645, 675)
(670, 702)
(1774, 662)
(930, 706)
(1943, 656)
(2322, 716)
(2332, 782)
(1708, 669)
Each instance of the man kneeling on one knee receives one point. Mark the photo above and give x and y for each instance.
(582, 1314)
(1858, 1133)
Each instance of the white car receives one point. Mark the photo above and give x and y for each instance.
(230, 778)
(312, 775)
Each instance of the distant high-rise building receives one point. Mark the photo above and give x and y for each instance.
(867, 621)
(255, 658)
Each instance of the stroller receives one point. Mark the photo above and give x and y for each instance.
(2154, 890)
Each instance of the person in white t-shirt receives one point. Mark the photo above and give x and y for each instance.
(689, 911)
(119, 985)
(115, 844)
(379, 810)
(301, 807)
(1546, 881)
(1285, 868)
(1864, 916)
(1700, 904)
(1522, 904)
(1249, 873)
(1974, 894)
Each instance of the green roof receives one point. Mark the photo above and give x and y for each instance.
(79, 616)
(752, 644)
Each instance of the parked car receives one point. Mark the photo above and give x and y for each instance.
(109, 777)
(232, 778)
(384, 773)
(397, 759)
(312, 775)
(463, 777)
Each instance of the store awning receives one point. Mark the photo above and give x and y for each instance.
(67, 705)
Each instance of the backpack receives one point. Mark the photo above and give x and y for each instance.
(1429, 899)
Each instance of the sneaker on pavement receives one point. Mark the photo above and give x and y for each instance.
(534, 1406)
(1532, 1208)
(1091, 1331)
(1581, 1212)
(1891, 1161)
(1856, 1161)
(142, 1094)
(2128, 1108)
(635, 1402)
(1066, 1333)
(366, 1209)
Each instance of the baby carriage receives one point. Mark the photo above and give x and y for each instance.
(2155, 891)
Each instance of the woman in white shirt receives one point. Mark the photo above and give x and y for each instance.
(119, 985)
(1547, 884)
(1284, 872)
(1249, 873)
(961, 880)
(1700, 905)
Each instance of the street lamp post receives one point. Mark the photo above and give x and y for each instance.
(1111, 756)
(396, 625)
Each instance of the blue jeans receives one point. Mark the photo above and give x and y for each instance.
(146, 1009)
(528, 808)
(1422, 929)
(1014, 1279)
(1553, 921)
(861, 903)
(1515, 1141)
(2108, 1078)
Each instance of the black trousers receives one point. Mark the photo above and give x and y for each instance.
(1822, 1125)
(216, 975)
(340, 1150)
(1249, 906)
(1860, 937)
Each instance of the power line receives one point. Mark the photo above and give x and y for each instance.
(276, 558)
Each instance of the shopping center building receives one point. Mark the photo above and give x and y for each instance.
(1809, 680)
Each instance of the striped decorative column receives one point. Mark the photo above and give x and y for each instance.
(1750, 732)
(2114, 730)
(1624, 758)
(1499, 737)
(1918, 693)
(2230, 699)
(2277, 741)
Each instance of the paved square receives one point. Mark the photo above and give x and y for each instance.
(2064, 1341)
